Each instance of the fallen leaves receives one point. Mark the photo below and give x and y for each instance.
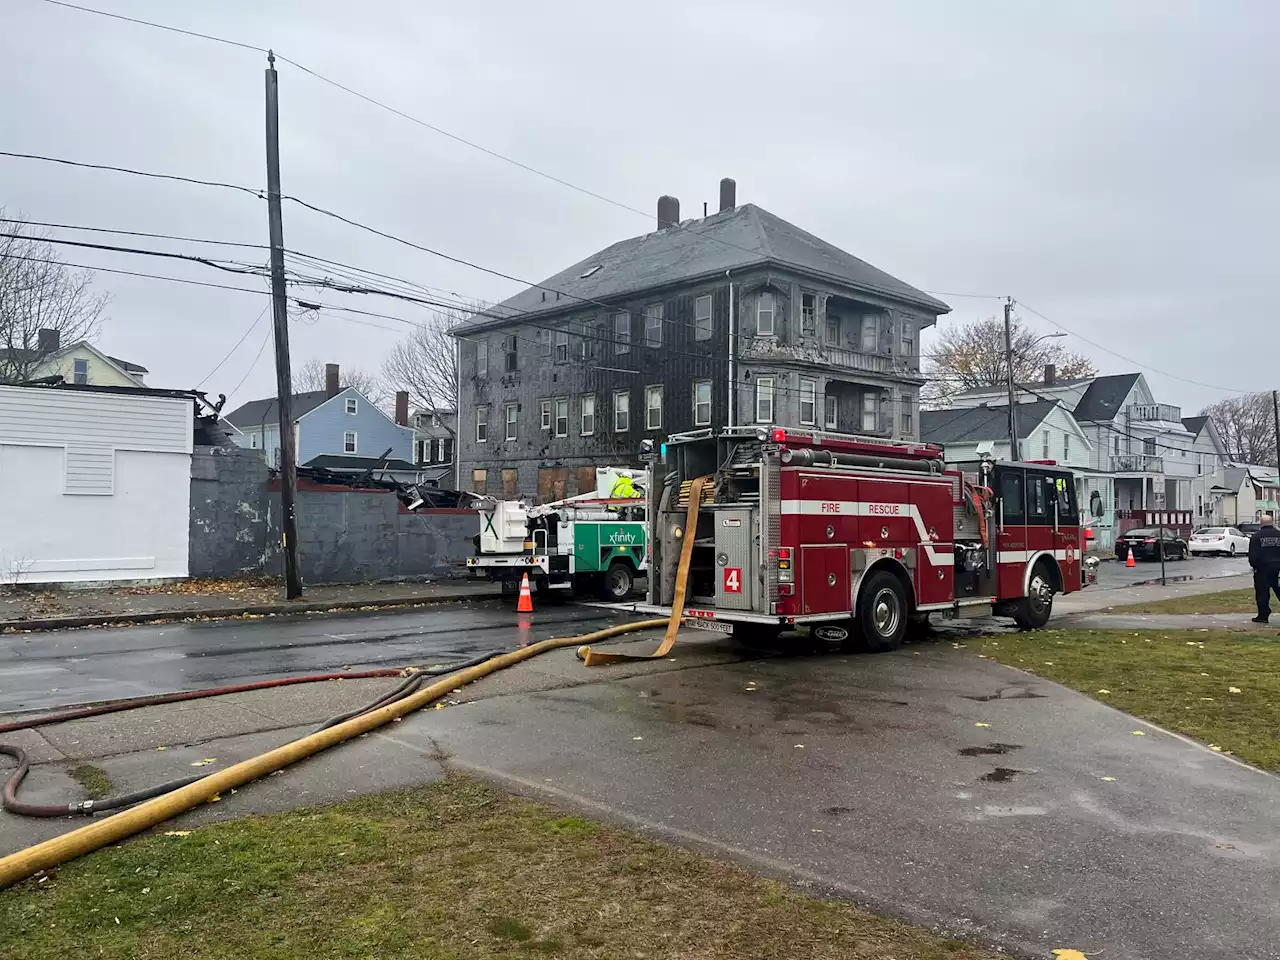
(1234, 690)
(1104, 692)
(177, 833)
(1069, 955)
(205, 762)
(637, 738)
(982, 724)
(1107, 779)
(1139, 733)
(1215, 748)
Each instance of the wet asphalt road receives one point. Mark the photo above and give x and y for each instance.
(39, 671)
(1115, 574)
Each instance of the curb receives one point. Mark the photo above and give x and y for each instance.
(232, 613)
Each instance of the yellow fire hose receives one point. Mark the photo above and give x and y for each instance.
(25, 863)
(594, 658)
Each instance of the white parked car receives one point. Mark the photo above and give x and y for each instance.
(1219, 541)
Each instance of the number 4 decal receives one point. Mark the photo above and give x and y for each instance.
(732, 579)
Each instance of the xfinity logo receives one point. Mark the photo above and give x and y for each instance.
(621, 536)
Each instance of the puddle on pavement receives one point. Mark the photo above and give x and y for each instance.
(837, 811)
(990, 749)
(1155, 581)
(1000, 775)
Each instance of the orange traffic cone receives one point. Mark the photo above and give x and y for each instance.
(1127, 563)
(526, 598)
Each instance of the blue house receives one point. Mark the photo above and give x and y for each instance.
(337, 423)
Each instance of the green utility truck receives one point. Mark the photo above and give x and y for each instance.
(588, 543)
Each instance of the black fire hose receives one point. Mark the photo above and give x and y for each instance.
(10, 802)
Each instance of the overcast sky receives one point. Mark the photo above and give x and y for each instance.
(1115, 164)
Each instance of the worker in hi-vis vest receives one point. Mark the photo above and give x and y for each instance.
(623, 489)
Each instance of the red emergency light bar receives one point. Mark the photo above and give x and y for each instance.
(850, 444)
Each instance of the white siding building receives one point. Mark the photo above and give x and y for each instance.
(95, 484)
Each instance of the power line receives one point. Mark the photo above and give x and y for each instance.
(238, 267)
(243, 337)
(136, 273)
(129, 170)
(130, 233)
(256, 358)
(158, 26)
(1141, 366)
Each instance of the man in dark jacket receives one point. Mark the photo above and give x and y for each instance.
(1264, 557)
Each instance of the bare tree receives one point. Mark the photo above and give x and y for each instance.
(426, 363)
(972, 355)
(1246, 426)
(40, 293)
(310, 376)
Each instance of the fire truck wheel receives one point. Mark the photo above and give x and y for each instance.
(882, 613)
(618, 582)
(1032, 611)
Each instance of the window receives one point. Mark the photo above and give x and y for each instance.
(479, 481)
(622, 333)
(1011, 503)
(510, 482)
(702, 318)
(871, 334)
(764, 399)
(1061, 492)
(546, 414)
(870, 415)
(764, 314)
(831, 414)
(510, 415)
(908, 339)
(253, 441)
(1199, 464)
(446, 450)
(1038, 506)
(653, 408)
(1149, 446)
(702, 403)
(353, 406)
(560, 338)
(482, 358)
(482, 424)
(653, 317)
(590, 337)
(808, 401)
(1044, 445)
(1066, 447)
(562, 417)
(422, 451)
(544, 343)
(1200, 509)
(509, 353)
(808, 315)
(907, 417)
(833, 331)
(621, 411)
(588, 415)
(80, 371)
(349, 442)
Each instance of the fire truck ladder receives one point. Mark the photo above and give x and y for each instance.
(697, 494)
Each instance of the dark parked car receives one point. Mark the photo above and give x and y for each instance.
(1145, 542)
(1248, 529)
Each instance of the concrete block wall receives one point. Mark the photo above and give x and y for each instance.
(344, 536)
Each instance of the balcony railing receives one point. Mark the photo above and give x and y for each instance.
(867, 362)
(1137, 463)
(1153, 412)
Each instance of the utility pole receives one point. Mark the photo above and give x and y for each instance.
(1275, 413)
(280, 318)
(1008, 360)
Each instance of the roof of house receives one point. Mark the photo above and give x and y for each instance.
(745, 235)
(257, 412)
(1194, 424)
(974, 424)
(1000, 388)
(337, 461)
(1105, 396)
(25, 356)
(126, 365)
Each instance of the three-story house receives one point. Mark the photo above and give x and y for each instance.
(733, 319)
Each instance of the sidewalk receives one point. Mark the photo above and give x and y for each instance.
(31, 608)
(1096, 600)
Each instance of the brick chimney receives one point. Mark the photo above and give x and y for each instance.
(48, 341)
(402, 407)
(728, 194)
(668, 211)
(331, 386)
(1050, 374)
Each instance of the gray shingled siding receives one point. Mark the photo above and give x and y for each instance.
(788, 356)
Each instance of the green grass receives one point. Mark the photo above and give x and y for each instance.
(97, 785)
(1179, 679)
(1228, 601)
(447, 872)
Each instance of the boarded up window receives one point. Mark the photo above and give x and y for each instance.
(586, 479)
(479, 481)
(510, 482)
(553, 483)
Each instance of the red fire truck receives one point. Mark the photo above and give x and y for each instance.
(857, 538)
